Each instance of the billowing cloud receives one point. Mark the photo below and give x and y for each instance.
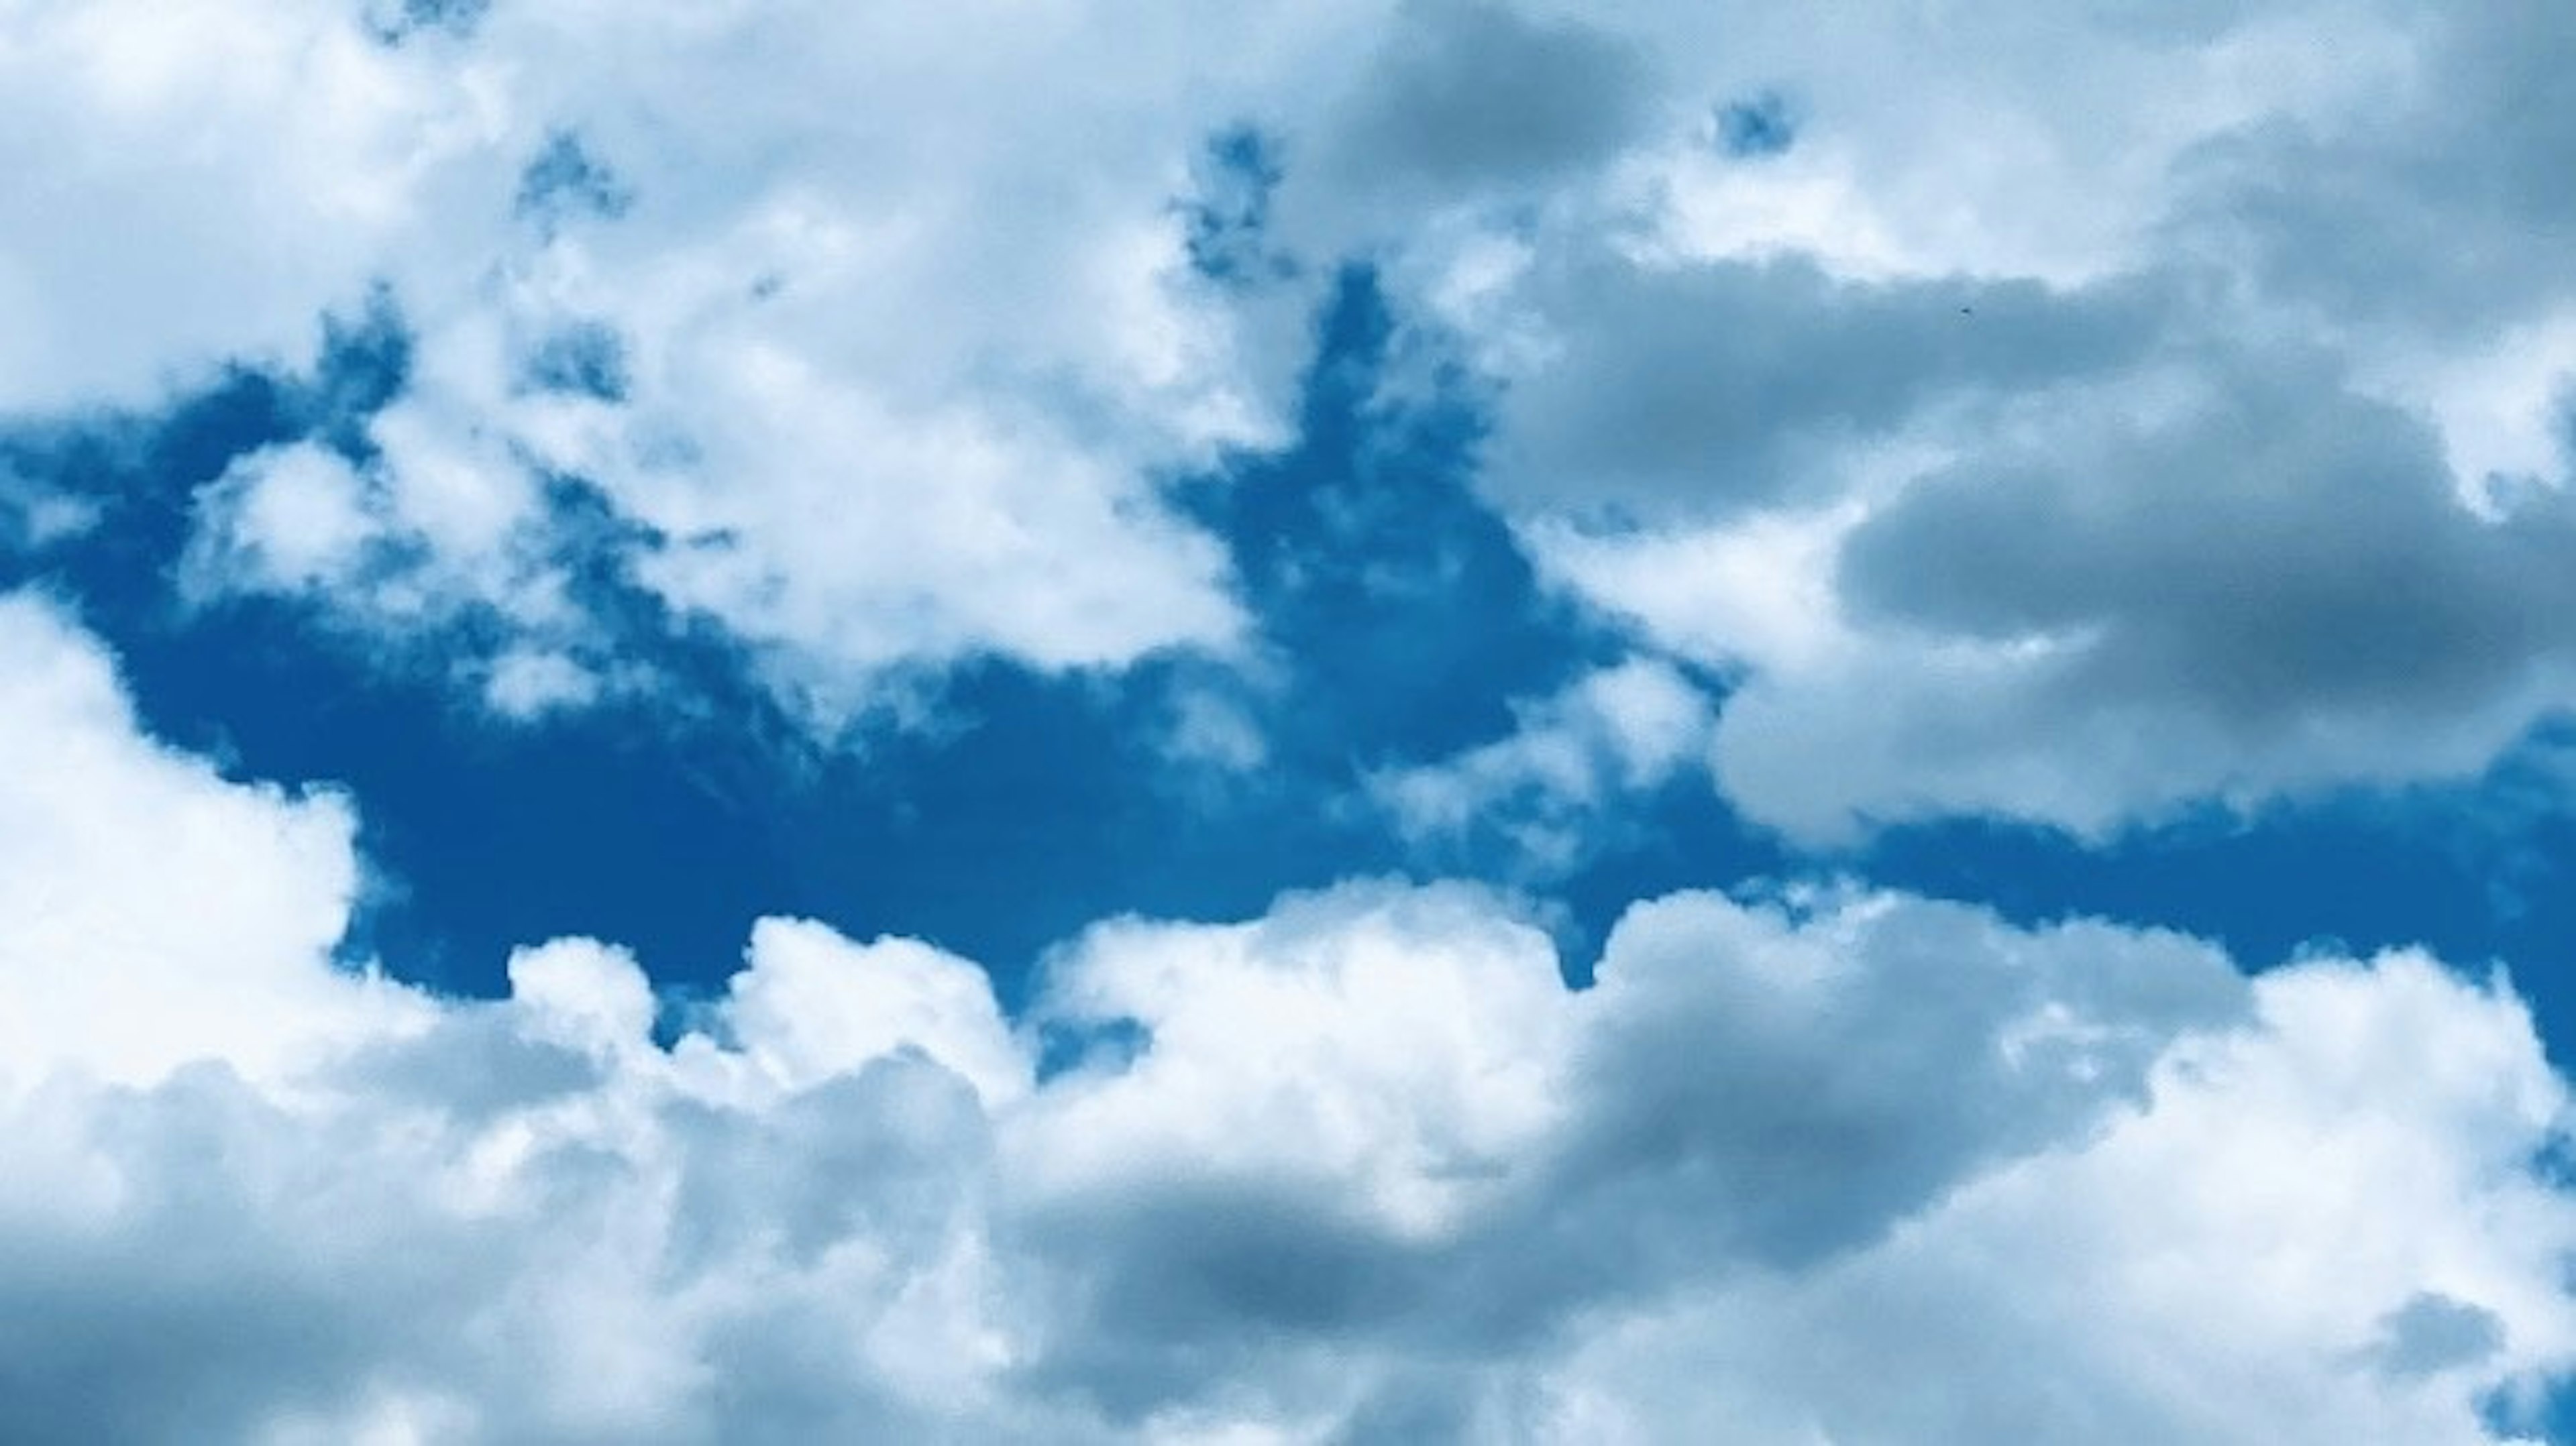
(864, 395)
(1832, 1163)
(151, 912)
(2234, 490)
(2273, 585)
(860, 401)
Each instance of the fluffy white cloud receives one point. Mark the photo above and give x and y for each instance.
(1407, 1048)
(2066, 412)
(198, 182)
(153, 913)
(868, 343)
(1829, 1165)
(865, 392)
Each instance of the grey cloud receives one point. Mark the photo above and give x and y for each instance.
(2359, 271)
(2443, 210)
(1731, 1112)
(911, 1130)
(2433, 1332)
(1711, 387)
(2270, 587)
(2285, 550)
(1768, 1111)
(238, 1276)
(1182, 1285)
(473, 1064)
(1796, 1128)
(257, 1273)
(1470, 96)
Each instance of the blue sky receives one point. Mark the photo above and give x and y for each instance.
(1410, 721)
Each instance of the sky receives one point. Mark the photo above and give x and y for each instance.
(1327, 721)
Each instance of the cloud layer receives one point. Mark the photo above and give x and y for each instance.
(867, 382)
(1843, 1165)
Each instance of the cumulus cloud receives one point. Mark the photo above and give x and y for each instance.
(2273, 585)
(2156, 1264)
(199, 183)
(1831, 1163)
(865, 396)
(1789, 414)
(151, 911)
(860, 401)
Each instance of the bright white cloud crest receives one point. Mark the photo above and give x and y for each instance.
(1362, 1168)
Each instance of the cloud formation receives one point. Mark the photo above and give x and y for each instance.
(2210, 450)
(1473, 418)
(1361, 1168)
(866, 396)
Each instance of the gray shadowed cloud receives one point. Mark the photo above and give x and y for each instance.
(1748, 1093)
(1470, 97)
(2271, 585)
(1713, 387)
(2281, 551)
(2433, 1332)
(2444, 208)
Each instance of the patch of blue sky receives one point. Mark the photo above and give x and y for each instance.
(395, 21)
(564, 179)
(1757, 126)
(1404, 610)
(1228, 215)
(2551, 1418)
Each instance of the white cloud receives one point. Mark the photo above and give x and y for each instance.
(152, 913)
(297, 516)
(812, 1005)
(526, 684)
(874, 340)
(1375, 1051)
(1846, 1165)
(2048, 1185)
(197, 182)
(889, 395)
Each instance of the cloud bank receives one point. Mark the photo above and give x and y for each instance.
(752, 321)
(1832, 1164)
